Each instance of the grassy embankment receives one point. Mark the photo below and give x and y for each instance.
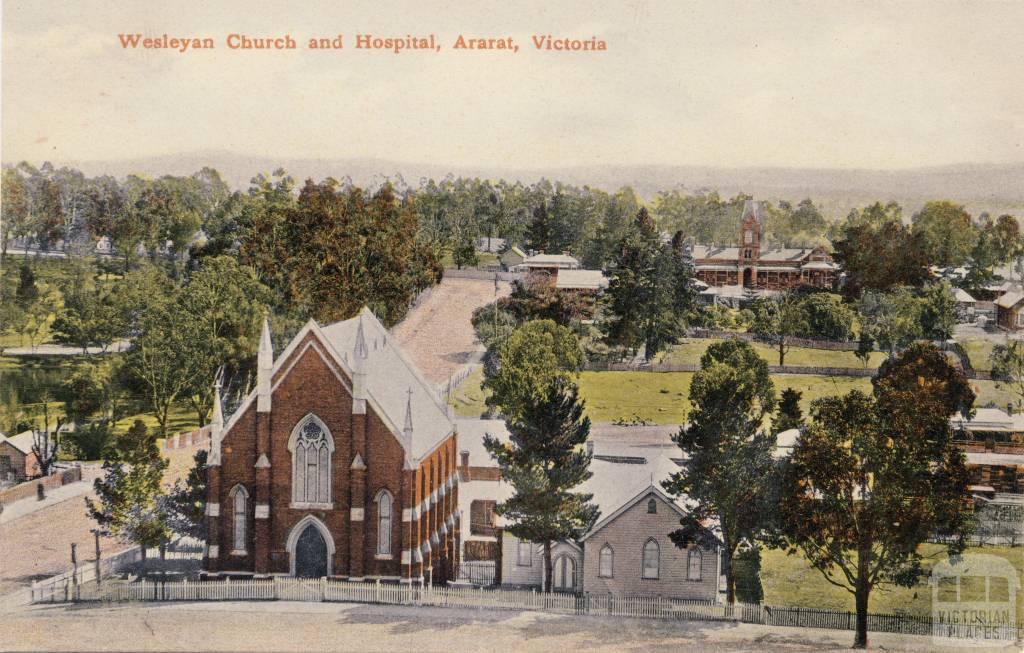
(661, 397)
(789, 580)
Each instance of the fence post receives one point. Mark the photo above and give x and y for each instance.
(609, 602)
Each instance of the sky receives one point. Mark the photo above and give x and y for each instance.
(732, 84)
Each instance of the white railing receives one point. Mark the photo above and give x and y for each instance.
(654, 607)
(298, 589)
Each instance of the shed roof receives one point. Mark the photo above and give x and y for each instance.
(581, 280)
(1009, 300)
(22, 441)
(551, 260)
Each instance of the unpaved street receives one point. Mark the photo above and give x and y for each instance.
(286, 626)
(437, 334)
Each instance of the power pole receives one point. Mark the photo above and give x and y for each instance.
(99, 569)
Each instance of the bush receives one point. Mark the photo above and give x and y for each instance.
(747, 574)
(91, 441)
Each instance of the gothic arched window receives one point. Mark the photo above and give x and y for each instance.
(312, 446)
(384, 506)
(651, 559)
(239, 518)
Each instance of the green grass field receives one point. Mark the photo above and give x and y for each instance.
(979, 351)
(661, 397)
(789, 580)
(690, 351)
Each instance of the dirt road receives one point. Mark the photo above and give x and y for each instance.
(287, 626)
(437, 334)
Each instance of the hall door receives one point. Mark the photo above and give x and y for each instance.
(311, 554)
(564, 574)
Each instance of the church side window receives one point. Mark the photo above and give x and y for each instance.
(239, 522)
(384, 523)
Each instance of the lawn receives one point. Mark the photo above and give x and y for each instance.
(661, 397)
(468, 398)
(979, 351)
(789, 580)
(181, 418)
(690, 351)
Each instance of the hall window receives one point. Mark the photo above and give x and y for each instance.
(651, 559)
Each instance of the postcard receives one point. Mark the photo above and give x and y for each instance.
(511, 326)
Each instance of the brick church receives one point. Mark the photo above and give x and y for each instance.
(750, 266)
(342, 463)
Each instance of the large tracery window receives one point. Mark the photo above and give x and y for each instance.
(311, 445)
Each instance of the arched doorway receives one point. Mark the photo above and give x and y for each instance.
(563, 576)
(311, 549)
(748, 276)
(311, 554)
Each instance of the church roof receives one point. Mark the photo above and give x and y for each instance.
(389, 377)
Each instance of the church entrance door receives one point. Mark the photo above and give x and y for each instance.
(311, 554)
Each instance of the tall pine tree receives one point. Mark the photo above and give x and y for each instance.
(544, 461)
(729, 470)
(649, 291)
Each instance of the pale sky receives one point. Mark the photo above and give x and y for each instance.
(793, 84)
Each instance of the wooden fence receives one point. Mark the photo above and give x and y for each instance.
(695, 367)
(484, 275)
(809, 343)
(653, 607)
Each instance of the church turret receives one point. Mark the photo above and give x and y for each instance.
(360, 352)
(407, 429)
(261, 513)
(216, 427)
(264, 368)
(213, 483)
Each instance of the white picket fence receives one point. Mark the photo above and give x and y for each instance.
(653, 607)
(298, 589)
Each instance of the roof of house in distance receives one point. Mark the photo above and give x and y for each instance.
(550, 261)
(1010, 299)
(389, 378)
(989, 419)
(962, 296)
(581, 280)
(471, 439)
(22, 441)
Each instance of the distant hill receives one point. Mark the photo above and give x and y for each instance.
(996, 188)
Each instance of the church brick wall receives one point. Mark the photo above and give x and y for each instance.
(310, 383)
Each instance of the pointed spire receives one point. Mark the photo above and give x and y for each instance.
(407, 431)
(264, 367)
(361, 351)
(216, 426)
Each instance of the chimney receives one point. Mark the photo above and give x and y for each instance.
(264, 367)
(1009, 408)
